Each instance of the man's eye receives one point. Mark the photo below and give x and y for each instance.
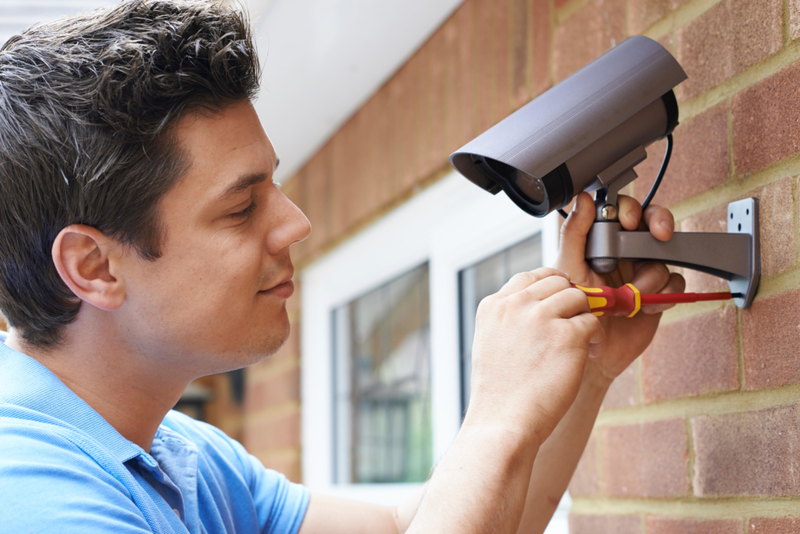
(245, 212)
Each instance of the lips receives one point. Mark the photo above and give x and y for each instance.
(283, 289)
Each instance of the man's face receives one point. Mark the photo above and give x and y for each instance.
(215, 299)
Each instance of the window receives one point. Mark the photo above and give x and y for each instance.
(483, 279)
(456, 239)
(382, 397)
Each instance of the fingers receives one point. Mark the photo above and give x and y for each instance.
(630, 212)
(574, 230)
(675, 284)
(567, 303)
(590, 328)
(651, 277)
(521, 281)
(658, 219)
(660, 222)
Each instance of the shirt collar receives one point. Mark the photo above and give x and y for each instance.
(26, 383)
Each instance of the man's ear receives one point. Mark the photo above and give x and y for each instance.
(87, 261)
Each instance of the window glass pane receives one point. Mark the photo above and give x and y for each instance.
(382, 408)
(481, 280)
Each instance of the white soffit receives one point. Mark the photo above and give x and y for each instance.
(323, 59)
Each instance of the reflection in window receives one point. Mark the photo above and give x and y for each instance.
(483, 279)
(382, 400)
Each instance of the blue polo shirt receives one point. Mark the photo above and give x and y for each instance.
(64, 469)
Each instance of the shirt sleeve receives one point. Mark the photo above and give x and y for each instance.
(280, 505)
(49, 485)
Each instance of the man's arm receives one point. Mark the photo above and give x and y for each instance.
(478, 486)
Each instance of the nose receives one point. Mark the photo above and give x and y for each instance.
(289, 224)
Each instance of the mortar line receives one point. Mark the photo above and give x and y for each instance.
(718, 404)
(765, 68)
(785, 23)
(746, 528)
(601, 470)
(638, 374)
(740, 352)
(690, 449)
(795, 216)
(679, 17)
(572, 7)
(734, 189)
(732, 174)
(691, 508)
(553, 21)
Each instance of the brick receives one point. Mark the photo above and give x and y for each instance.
(726, 40)
(713, 220)
(770, 341)
(421, 115)
(671, 525)
(459, 90)
(754, 453)
(586, 35)
(605, 524)
(644, 13)
(501, 91)
(646, 460)
(622, 393)
(586, 479)
(691, 357)
(766, 121)
(776, 217)
(558, 4)
(794, 18)
(317, 196)
(701, 139)
(541, 46)
(483, 71)
(279, 432)
(520, 63)
(774, 525)
(273, 390)
(436, 155)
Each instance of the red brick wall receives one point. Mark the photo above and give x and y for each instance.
(700, 434)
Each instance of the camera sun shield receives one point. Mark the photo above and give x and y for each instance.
(557, 144)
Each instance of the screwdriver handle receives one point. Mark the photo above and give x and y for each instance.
(625, 301)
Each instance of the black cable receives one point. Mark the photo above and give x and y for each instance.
(654, 188)
(661, 173)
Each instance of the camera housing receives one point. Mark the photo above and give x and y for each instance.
(558, 144)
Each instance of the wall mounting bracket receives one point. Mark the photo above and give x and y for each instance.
(734, 256)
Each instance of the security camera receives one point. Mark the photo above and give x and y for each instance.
(560, 143)
(588, 133)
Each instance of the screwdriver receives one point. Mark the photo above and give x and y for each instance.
(627, 300)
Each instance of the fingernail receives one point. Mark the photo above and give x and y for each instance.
(666, 225)
(576, 204)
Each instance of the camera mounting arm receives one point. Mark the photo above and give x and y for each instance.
(734, 256)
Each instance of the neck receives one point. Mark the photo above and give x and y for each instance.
(132, 391)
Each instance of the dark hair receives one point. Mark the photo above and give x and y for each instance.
(87, 109)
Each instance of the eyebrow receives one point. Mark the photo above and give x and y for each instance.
(242, 183)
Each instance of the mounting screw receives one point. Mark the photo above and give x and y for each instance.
(609, 212)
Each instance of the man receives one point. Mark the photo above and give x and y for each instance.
(144, 245)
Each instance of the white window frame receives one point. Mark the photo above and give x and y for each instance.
(452, 224)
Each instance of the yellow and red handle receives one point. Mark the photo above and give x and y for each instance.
(626, 301)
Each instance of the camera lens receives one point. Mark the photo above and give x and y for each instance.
(537, 196)
(530, 186)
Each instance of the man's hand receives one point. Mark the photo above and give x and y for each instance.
(532, 339)
(626, 338)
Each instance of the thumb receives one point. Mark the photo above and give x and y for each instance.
(573, 233)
